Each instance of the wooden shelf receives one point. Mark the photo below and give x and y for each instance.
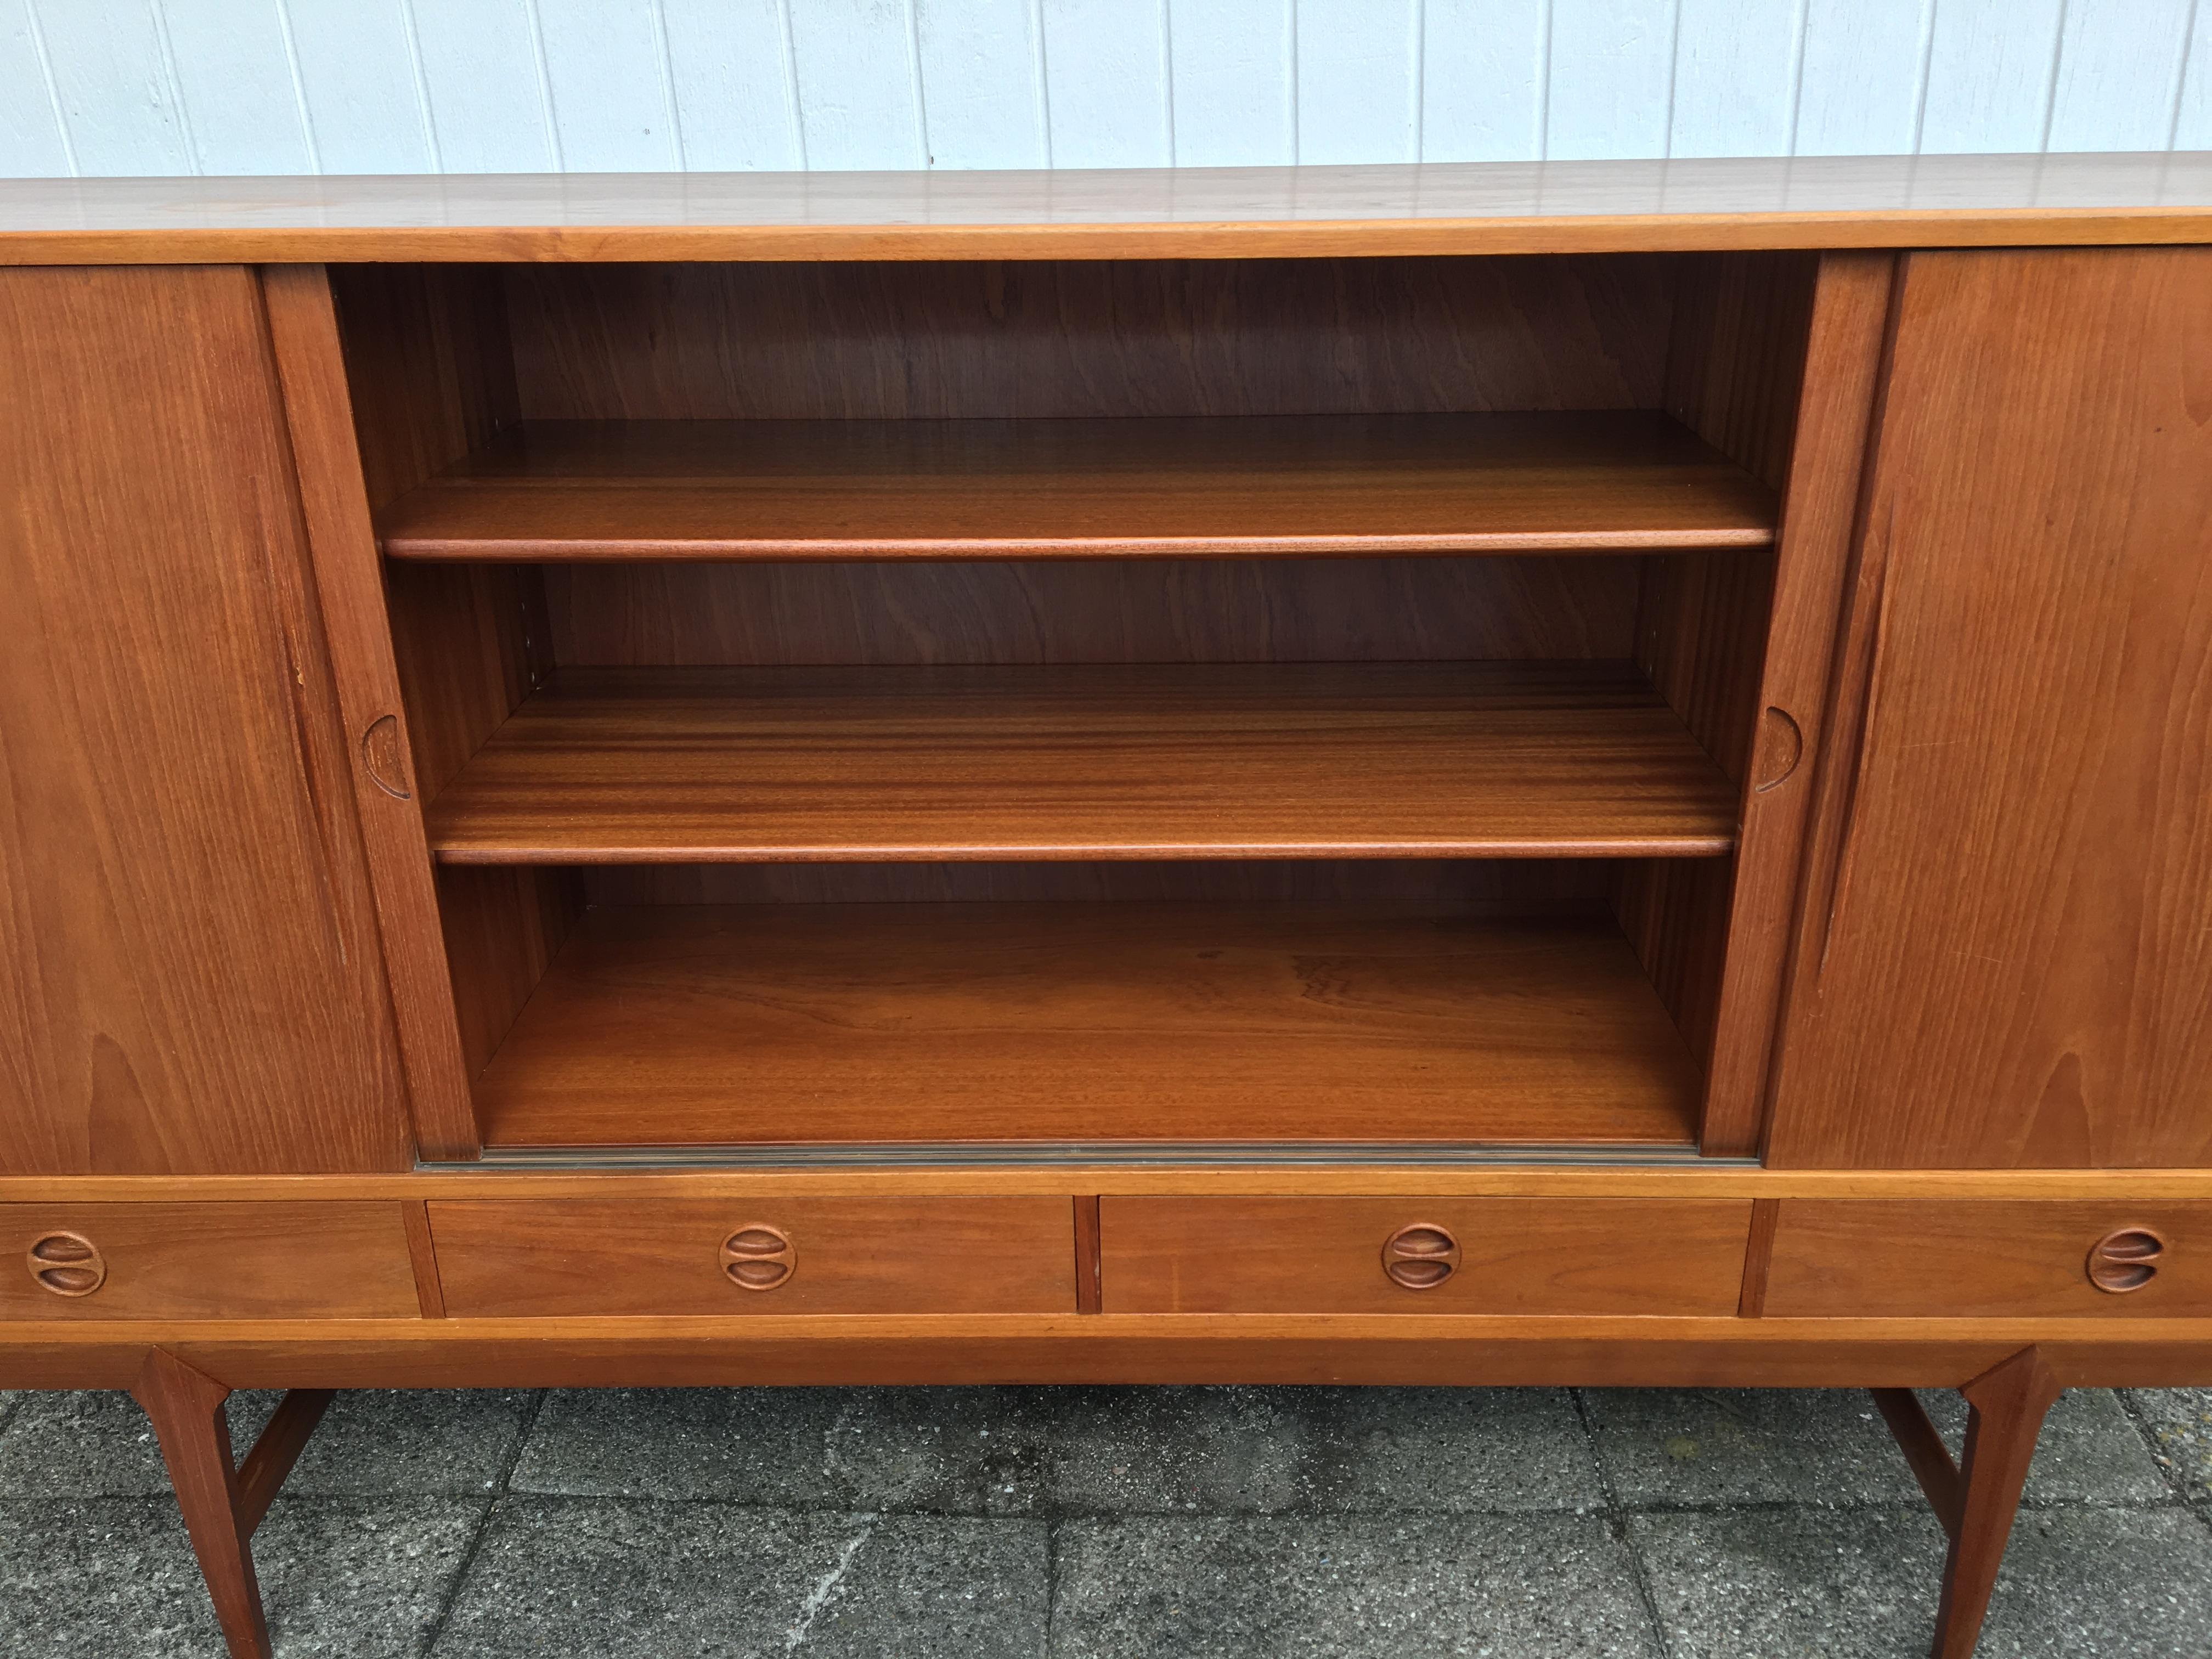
(775, 1024)
(1488, 759)
(1294, 485)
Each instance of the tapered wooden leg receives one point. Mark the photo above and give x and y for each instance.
(2009, 1404)
(186, 1406)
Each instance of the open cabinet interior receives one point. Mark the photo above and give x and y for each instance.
(1267, 705)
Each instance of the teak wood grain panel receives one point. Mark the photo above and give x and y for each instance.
(642, 613)
(1516, 1255)
(1434, 207)
(500, 1258)
(217, 1261)
(2003, 957)
(1835, 415)
(962, 341)
(190, 977)
(1074, 1022)
(1286, 760)
(1495, 887)
(1979, 1259)
(1287, 485)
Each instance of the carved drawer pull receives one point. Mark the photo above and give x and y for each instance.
(1421, 1256)
(2125, 1261)
(758, 1257)
(68, 1264)
(386, 757)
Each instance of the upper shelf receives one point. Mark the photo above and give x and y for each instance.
(1498, 207)
(1273, 486)
(1277, 760)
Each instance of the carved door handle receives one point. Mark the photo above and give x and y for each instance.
(1421, 1256)
(759, 1257)
(2125, 1261)
(68, 1264)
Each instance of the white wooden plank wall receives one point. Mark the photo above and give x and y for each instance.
(124, 86)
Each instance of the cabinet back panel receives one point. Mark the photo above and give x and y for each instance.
(1089, 337)
(1501, 887)
(883, 613)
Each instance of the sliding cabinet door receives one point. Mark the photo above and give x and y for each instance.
(2005, 950)
(189, 974)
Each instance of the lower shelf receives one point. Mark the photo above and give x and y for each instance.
(753, 1025)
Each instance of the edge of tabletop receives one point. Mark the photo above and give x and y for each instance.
(1471, 208)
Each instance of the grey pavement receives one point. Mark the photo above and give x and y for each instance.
(1109, 1523)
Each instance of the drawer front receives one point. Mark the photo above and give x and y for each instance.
(1909, 1259)
(1428, 1255)
(838, 1256)
(205, 1261)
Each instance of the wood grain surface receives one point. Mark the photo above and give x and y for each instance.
(1833, 423)
(1517, 207)
(190, 975)
(1065, 1023)
(1518, 1255)
(848, 1255)
(217, 1261)
(2004, 956)
(1901, 1258)
(1555, 1351)
(1076, 339)
(1284, 485)
(654, 613)
(386, 792)
(1376, 760)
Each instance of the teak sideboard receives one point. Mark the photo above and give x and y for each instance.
(1582, 773)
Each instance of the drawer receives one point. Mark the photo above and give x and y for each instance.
(841, 1256)
(205, 1261)
(1924, 1258)
(1464, 1255)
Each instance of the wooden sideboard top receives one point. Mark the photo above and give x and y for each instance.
(1806, 202)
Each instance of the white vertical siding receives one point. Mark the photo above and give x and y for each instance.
(1106, 83)
(361, 87)
(1359, 80)
(484, 84)
(122, 87)
(983, 97)
(2192, 121)
(1736, 78)
(33, 143)
(1482, 79)
(1610, 77)
(860, 84)
(1234, 97)
(1864, 73)
(1991, 67)
(606, 79)
(729, 70)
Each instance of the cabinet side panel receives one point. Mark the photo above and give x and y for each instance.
(2004, 957)
(190, 973)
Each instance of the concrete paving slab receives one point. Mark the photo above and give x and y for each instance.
(116, 1577)
(1320, 1450)
(370, 1442)
(1666, 1447)
(567, 1576)
(1350, 1586)
(1793, 1583)
(955, 1451)
(96, 1443)
(2180, 1424)
(1057, 1451)
(2088, 1453)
